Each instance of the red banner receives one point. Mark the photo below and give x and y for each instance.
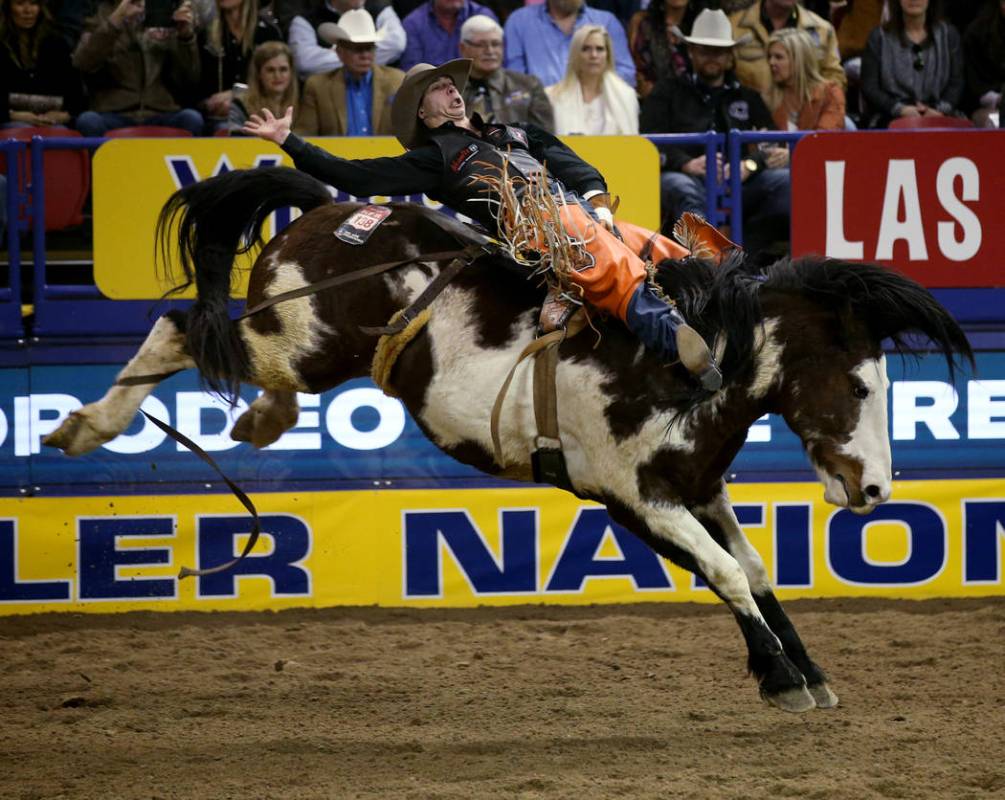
(928, 203)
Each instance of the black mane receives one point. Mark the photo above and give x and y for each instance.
(726, 298)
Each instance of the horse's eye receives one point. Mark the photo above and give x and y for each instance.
(860, 391)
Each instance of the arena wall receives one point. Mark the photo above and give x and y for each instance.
(359, 509)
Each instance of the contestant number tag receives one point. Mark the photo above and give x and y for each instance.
(358, 228)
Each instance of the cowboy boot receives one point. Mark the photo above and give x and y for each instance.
(662, 329)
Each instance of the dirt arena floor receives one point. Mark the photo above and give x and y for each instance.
(599, 702)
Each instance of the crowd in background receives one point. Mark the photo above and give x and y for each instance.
(572, 67)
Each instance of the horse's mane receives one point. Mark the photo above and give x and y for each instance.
(726, 298)
(891, 305)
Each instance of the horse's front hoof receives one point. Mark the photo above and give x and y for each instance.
(822, 695)
(796, 701)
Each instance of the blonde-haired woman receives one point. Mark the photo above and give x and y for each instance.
(272, 84)
(799, 97)
(227, 45)
(592, 98)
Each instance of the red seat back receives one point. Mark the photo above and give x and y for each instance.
(930, 122)
(148, 132)
(67, 176)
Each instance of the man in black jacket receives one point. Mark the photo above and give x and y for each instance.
(710, 98)
(453, 158)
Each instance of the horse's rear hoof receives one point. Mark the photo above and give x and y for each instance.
(77, 436)
(244, 427)
(65, 435)
(797, 700)
(822, 695)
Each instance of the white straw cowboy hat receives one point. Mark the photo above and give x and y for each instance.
(355, 25)
(712, 29)
(408, 128)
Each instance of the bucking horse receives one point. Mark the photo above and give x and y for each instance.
(800, 338)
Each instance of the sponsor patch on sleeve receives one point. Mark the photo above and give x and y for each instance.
(361, 225)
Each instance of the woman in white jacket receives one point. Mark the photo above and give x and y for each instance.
(592, 99)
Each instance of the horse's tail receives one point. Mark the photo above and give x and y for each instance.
(218, 219)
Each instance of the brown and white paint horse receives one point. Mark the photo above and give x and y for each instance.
(801, 339)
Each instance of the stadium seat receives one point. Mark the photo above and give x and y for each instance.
(930, 122)
(67, 176)
(148, 132)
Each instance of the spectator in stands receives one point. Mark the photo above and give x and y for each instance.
(656, 49)
(135, 72)
(69, 18)
(355, 99)
(494, 93)
(38, 83)
(592, 98)
(711, 98)
(984, 53)
(313, 55)
(226, 50)
(271, 84)
(912, 66)
(434, 30)
(860, 17)
(763, 18)
(799, 97)
(538, 38)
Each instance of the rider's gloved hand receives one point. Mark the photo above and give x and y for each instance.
(602, 208)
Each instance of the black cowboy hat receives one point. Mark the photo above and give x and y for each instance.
(407, 126)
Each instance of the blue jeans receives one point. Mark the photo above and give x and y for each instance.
(765, 204)
(98, 123)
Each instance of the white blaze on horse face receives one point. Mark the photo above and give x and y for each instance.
(870, 441)
(869, 445)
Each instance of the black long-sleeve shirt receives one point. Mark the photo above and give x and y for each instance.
(686, 105)
(422, 170)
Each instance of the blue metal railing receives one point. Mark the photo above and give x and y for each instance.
(38, 147)
(68, 310)
(734, 148)
(712, 142)
(11, 325)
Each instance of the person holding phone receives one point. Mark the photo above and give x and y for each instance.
(136, 71)
(225, 52)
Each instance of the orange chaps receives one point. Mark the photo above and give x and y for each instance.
(618, 270)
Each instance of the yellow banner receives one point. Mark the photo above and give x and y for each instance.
(463, 548)
(133, 178)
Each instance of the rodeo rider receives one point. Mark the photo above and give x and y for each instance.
(443, 147)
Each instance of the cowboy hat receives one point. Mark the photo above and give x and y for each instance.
(355, 25)
(407, 126)
(711, 29)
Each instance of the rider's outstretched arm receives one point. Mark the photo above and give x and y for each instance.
(417, 171)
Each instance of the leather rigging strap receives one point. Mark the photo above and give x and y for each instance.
(547, 460)
(256, 526)
(465, 256)
(429, 294)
